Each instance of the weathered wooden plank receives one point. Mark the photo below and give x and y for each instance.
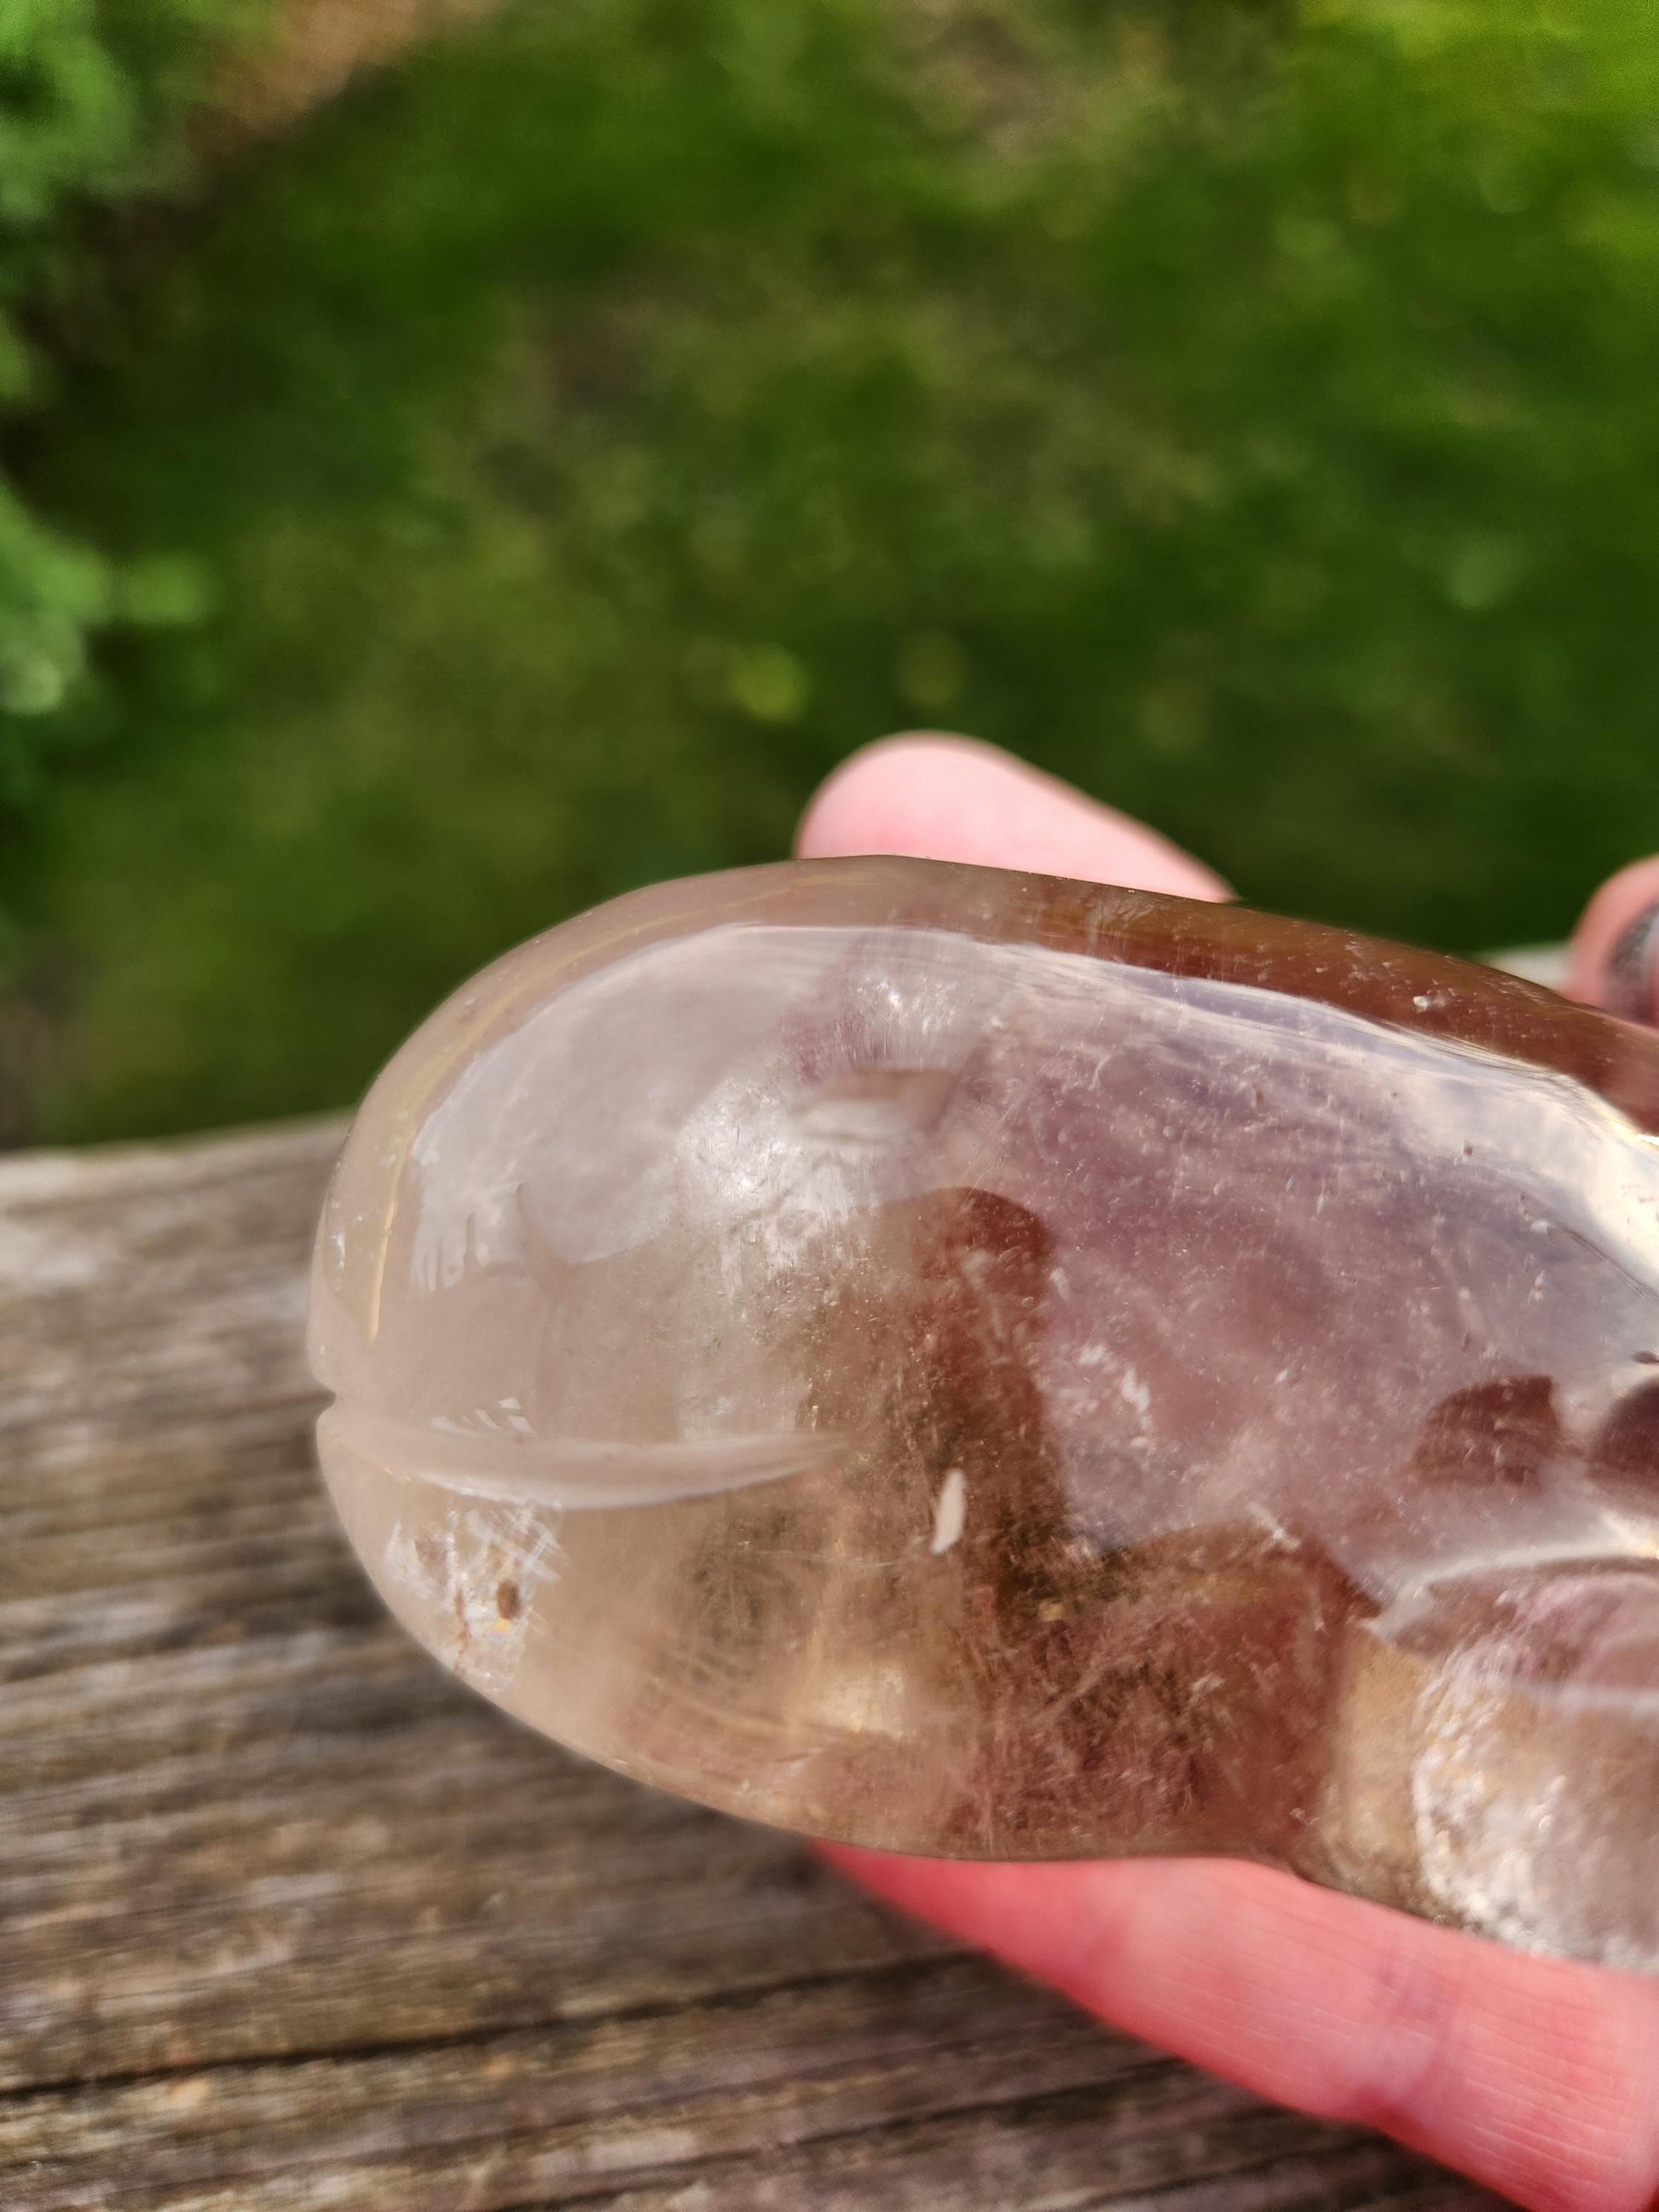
(288, 1921)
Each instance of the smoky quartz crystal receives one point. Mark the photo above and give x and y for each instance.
(989, 1366)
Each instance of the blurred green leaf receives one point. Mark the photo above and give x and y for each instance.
(91, 92)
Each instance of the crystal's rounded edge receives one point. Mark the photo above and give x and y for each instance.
(1396, 984)
(1463, 1001)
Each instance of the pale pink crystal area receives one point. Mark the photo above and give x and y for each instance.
(996, 1367)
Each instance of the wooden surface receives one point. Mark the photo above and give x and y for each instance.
(289, 1920)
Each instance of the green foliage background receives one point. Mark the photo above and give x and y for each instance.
(91, 97)
(592, 431)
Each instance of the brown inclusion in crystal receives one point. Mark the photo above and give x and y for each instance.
(990, 1366)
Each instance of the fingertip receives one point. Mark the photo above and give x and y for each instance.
(1608, 964)
(941, 796)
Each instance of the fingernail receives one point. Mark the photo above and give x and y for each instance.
(1629, 981)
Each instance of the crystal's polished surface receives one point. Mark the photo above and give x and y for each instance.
(991, 1366)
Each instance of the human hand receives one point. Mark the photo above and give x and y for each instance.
(1539, 2078)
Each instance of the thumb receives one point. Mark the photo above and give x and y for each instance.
(952, 798)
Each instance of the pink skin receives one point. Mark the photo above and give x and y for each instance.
(1536, 2078)
(1604, 921)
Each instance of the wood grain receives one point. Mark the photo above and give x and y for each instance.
(289, 1921)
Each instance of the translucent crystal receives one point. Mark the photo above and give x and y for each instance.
(997, 1367)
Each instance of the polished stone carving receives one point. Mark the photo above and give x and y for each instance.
(991, 1366)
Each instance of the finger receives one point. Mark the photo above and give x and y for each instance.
(1538, 2078)
(1613, 959)
(953, 799)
